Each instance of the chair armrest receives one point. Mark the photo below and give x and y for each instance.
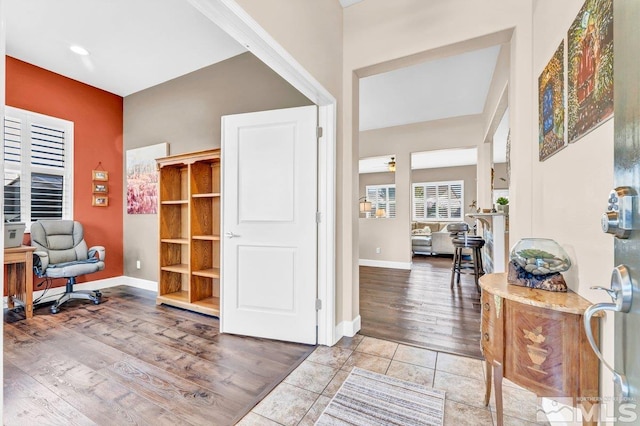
(40, 262)
(97, 251)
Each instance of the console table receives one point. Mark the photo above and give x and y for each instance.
(536, 339)
(19, 261)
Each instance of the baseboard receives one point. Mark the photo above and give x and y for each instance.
(140, 283)
(347, 328)
(385, 264)
(55, 292)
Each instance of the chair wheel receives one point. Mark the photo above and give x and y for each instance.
(54, 310)
(97, 293)
(96, 302)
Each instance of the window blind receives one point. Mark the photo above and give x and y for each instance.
(438, 200)
(46, 143)
(382, 197)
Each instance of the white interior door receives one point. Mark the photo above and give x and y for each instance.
(269, 252)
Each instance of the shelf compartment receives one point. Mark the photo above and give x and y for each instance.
(179, 296)
(209, 273)
(210, 306)
(174, 221)
(180, 268)
(175, 240)
(172, 282)
(202, 216)
(208, 195)
(173, 184)
(174, 202)
(206, 237)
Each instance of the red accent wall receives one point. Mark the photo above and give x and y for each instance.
(98, 119)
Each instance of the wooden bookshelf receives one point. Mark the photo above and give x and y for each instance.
(189, 225)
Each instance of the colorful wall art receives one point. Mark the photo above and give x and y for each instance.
(551, 106)
(142, 178)
(590, 68)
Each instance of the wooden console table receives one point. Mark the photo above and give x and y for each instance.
(536, 339)
(19, 261)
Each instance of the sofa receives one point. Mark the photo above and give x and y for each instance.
(430, 238)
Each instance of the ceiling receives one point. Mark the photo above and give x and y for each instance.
(137, 44)
(347, 3)
(424, 160)
(428, 91)
(133, 44)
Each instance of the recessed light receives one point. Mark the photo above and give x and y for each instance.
(79, 50)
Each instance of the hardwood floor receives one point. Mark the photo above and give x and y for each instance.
(128, 361)
(417, 307)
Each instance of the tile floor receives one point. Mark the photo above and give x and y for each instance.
(303, 395)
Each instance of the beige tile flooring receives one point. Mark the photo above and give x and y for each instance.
(303, 395)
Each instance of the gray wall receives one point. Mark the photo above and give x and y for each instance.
(186, 113)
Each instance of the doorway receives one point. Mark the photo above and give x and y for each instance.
(408, 298)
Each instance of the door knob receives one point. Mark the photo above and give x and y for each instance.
(230, 235)
(621, 292)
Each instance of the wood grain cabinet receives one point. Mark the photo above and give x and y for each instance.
(536, 339)
(189, 225)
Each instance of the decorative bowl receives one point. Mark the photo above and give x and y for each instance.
(540, 256)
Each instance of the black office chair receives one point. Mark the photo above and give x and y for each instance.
(61, 252)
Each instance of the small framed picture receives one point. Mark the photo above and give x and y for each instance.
(100, 175)
(100, 201)
(100, 188)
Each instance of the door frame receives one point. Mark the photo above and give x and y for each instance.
(237, 23)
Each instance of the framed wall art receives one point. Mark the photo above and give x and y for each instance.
(142, 178)
(590, 68)
(100, 175)
(100, 201)
(100, 188)
(551, 106)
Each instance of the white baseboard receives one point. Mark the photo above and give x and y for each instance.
(55, 292)
(384, 264)
(140, 283)
(347, 328)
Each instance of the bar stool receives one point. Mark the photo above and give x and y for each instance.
(462, 264)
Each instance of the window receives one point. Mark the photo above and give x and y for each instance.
(438, 200)
(383, 200)
(38, 149)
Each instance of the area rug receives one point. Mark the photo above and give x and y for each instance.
(368, 399)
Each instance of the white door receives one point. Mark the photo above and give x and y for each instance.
(269, 167)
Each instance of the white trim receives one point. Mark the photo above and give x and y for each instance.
(384, 264)
(326, 227)
(348, 328)
(55, 292)
(140, 283)
(237, 23)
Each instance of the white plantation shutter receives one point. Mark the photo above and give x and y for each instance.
(381, 197)
(438, 200)
(47, 142)
(12, 157)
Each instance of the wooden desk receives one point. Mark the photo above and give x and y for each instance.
(536, 339)
(19, 261)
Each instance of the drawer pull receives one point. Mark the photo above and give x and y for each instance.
(486, 337)
(487, 307)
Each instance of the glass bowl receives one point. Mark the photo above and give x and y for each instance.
(540, 256)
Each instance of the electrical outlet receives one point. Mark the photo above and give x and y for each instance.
(137, 264)
(378, 250)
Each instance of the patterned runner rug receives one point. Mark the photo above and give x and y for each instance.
(368, 399)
